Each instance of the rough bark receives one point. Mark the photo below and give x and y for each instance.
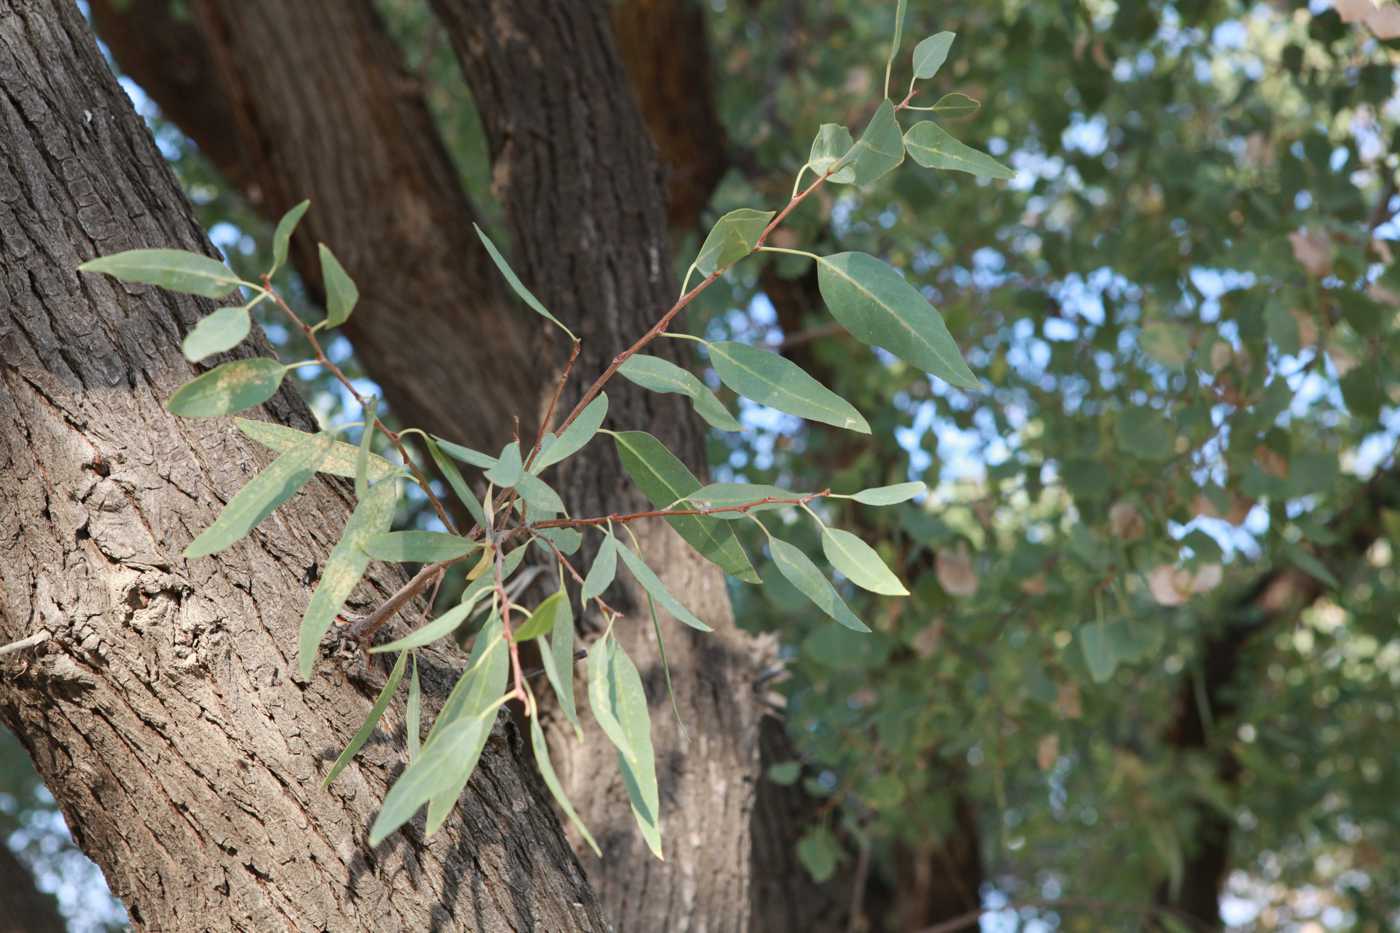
(582, 189)
(310, 99)
(164, 712)
(23, 907)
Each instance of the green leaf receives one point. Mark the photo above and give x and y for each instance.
(418, 547)
(435, 771)
(363, 454)
(551, 780)
(879, 307)
(733, 237)
(228, 388)
(718, 495)
(341, 293)
(282, 237)
(799, 570)
(465, 454)
(261, 495)
(831, 146)
(344, 568)
(663, 479)
(653, 585)
(173, 269)
(539, 496)
(1096, 642)
(413, 712)
(441, 627)
(454, 479)
(567, 540)
(931, 53)
(513, 280)
(860, 563)
(600, 575)
(819, 854)
(899, 10)
(933, 147)
(956, 104)
(366, 729)
(629, 702)
(575, 436)
(665, 665)
(1144, 433)
(1168, 343)
(889, 495)
(880, 148)
(508, 467)
(658, 375)
(773, 380)
(557, 653)
(546, 616)
(340, 460)
(222, 330)
(599, 698)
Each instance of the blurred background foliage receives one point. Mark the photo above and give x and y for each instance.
(1151, 650)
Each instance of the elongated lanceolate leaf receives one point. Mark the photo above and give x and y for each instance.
(465, 454)
(599, 698)
(344, 568)
(175, 269)
(435, 771)
(629, 703)
(653, 585)
(261, 494)
(804, 575)
(574, 437)
(931, 53)
(658, 375)
(441, 627)
(663, 479)
(542, 500)
(889, 495)
(340, 459)
(879, 307)
(551, 780)
(282, 237)
(454, 479)
(413, 712)
(341, 293)
(518, 286)
(222, 330)
(860, 563)
(600, 575)
(880, 148)
(366, 729)
(932, 146)
(362, 455)
(773, 380)
(419, 547)
(831, 146)
(733, 237)
(228, 388)
(546, 614)
(557, 654)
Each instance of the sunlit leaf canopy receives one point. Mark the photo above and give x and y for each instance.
(1181, 312)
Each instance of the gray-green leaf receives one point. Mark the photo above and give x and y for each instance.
(546, 615)
(174, 269)
(465, 454)
(733, 237)
(262, 494)
(663, 479)
(719, 495)
(508, 467)
(1100, 654)
(653, 585)
(658, 375)
(601, 574)
(557, 653)
(933, 147)
(455, 480)
(575, 436)
(228, 388)
(282, 237)
(630, 707)
(366, 443)
(931, 53)
(434, 772)
(799, 570)
(860, 563)
(340, 460)
(889, 495)
(222, 330)
(599, 699)
(880, 148)
(341, 293)
(419, 547)
(518, 286)
(366, 729)
(879, 307)
(771, 379)
(413, 712)
(956, 104)
(344, 568)
(551, 780)
(831, 146)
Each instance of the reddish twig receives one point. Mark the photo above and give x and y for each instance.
(677, 513)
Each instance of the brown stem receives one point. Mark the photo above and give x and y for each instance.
(677, 513)
(553, 403)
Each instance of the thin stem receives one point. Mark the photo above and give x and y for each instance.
(797, 182)
(365, 630)
(553, 403)
(792, 252)
(742, 508)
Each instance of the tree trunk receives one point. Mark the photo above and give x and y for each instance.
(311, 99)
(163, 711)
(583, 194)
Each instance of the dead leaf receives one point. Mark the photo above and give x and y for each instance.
(1126, 522)
(1312, 250)
(1047, 751)
(955, 573)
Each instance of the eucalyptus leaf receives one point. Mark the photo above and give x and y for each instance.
(435, 771)
(956, 105)
(381, 703)
(719, 495)
(557, 655)
(413, 712)
(931, 53)
(228, 388)
(831, 146)
(663, 479)
(932, 146)
(880, 148)
(340, 459)
(465, 454)
(799, 570)
(518, 286)
(733, 237)
(222, 330)
(600, 575)
(658, 375)
(629, 701)
(419, 547)
(575, 436)
(860, 563)
(508, 467)
(551, 780)
(879, 307)
(889, 495)
(539, 496)
(341, 293)
(282, 236)
(261, 495)
(773, 380)
(545, 617)
(344, 568)
(363, 454)
(599, 694)
(653, 585)
(1096, 642)
(173, 269)
(454, 479)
